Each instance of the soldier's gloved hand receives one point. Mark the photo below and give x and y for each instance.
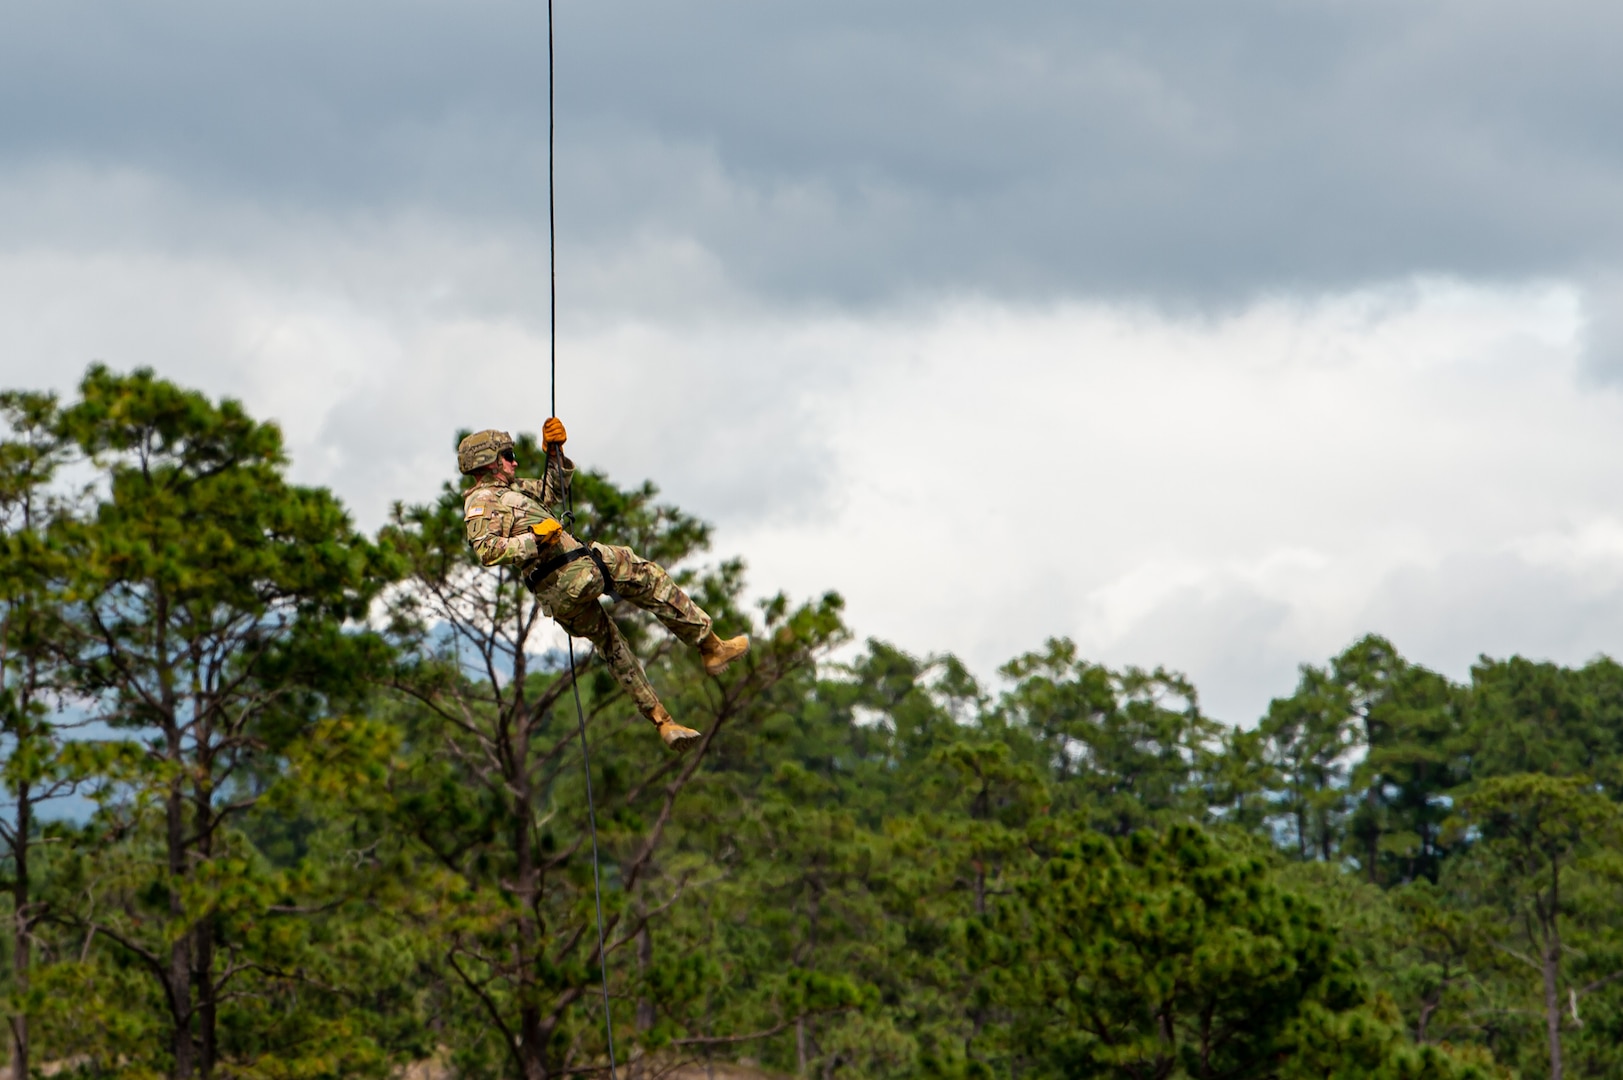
(553, 433)
(546, 532)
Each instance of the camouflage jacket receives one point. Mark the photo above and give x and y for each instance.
(499, 515)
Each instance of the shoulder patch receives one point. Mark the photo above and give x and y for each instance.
(475, 511)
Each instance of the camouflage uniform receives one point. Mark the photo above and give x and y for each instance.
(499, 515)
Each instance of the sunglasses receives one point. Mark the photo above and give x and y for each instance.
(508, 455)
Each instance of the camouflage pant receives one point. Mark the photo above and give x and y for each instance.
(570, 596)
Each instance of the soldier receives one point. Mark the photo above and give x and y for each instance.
(510, 524)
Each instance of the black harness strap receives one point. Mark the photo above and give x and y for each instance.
(602, 568)
(535, 575)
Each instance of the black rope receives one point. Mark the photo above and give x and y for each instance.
(552, 214)
(574, 682)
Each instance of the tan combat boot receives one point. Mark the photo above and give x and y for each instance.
(678, 738)
(717, 654)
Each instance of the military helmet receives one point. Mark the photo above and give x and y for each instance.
(481, 448)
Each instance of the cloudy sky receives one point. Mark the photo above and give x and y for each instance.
(1212, 335)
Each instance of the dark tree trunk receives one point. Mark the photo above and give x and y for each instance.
(1552, 969)
(1301, 830)
(180, 953)
(203, 989)
(1374, 832)
(21, 937)
(645, 960)
(179, 978)
(1427, 1007)
(203, 933)
(1552, 1006)
(532, 1048)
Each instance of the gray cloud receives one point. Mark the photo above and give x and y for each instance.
(1497, 604)
(1601, 331)
(1232, 640)
(1242, 647)
(808, 249)
(852, 151)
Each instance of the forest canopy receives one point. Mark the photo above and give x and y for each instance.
(286, 800)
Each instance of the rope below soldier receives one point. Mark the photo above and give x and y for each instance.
(509, 523)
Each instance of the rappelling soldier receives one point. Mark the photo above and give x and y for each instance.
(510, 523)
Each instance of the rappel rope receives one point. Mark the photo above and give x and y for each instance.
(574, 683)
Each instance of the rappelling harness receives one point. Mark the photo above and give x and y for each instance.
(535, 575)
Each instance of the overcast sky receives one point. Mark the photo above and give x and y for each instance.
(1212, 335)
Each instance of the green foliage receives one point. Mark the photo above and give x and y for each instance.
(333, 817)
(1128, 749)
(198, 603)
(1171, 955)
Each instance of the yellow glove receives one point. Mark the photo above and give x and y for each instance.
(553, 433)
(546, 532)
